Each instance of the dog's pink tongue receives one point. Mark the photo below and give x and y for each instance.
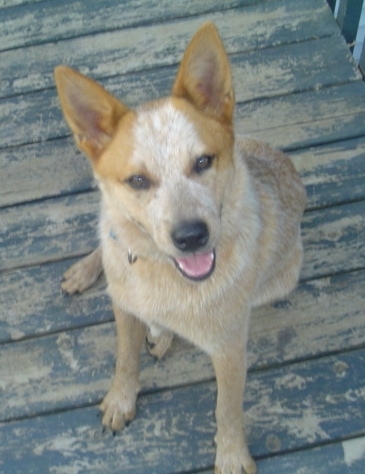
(196, 266)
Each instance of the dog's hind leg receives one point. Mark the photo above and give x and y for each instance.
(83, 274)
(158, 341)
(284, 281)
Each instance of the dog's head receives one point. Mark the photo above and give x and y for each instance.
(163, 168)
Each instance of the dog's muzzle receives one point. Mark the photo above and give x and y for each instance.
(191, 237)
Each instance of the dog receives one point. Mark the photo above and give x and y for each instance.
(197, 227)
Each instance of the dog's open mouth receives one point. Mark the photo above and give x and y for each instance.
(196, 266)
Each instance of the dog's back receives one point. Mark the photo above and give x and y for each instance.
(281, 199)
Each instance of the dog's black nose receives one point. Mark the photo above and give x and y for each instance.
(191, 235)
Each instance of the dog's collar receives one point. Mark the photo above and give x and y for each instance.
(131, 258)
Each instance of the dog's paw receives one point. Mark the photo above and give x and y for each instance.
(82, 274)
(119, 408)
(158, 345)
(232, 461)
(235, 466)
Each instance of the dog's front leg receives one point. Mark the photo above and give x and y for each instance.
(230, 367)
(119, 405)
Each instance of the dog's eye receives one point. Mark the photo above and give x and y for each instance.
(203, 163)
(139, 182)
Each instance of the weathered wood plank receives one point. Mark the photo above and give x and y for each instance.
(347, 457)
(314, 133)
(123, 51)
(286, 409)
(292, 68)
(31, 303)
(60, 19)
(260, 74)
(302, 120)
(334, 240)
(36, 373)
(43, 170)
(322, 116)
(49, 230)
(333, 173)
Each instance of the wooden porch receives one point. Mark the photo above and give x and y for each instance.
(297, 88)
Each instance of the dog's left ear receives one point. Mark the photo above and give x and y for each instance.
(204, 77)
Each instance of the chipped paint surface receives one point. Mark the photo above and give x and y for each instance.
(174, 428)
(354, 451)
(161, 44)
(65, 344)
(308, 427)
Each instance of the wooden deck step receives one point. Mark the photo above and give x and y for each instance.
(322, 316)
(267, 73)
(126, 50)
(55, 20)
(344, 457)
(297, 88)
(294, 121)
(306, 403)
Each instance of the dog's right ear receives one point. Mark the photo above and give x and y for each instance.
(90, 111)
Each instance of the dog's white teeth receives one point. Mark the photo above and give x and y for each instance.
(197, 266)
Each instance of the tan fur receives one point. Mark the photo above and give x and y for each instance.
(250, 199)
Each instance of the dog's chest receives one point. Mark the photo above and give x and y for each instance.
(162, 298)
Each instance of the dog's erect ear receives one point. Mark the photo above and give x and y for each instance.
(90, 111)
(204, 77)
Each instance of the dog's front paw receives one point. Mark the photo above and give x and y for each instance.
(83, 273)
(119, 407)
(234, 461)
